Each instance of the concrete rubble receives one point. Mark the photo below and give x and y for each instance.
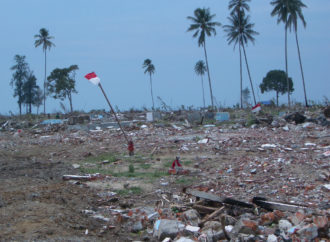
(282, 160)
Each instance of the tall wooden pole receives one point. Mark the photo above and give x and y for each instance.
(113, 111)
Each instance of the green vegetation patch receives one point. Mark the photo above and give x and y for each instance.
(130, 190)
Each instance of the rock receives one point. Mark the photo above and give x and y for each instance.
(326, 187)
(191, 217)
(212, 231)
(327, 112)
(272, 238)
(271, 217)
(295, 117)
(275, 124)
(191, 230)
(322, 121)
(137, 226)
(246, 226)
(164, 228)
(266, 119)
(297, 218)
(308, 232)
(284, 225)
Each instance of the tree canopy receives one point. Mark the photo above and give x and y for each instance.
(202, 24)
(275, 80)
(30, 90)
(19, 77)
(61, 83)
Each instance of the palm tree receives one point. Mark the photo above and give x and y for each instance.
(237, 6)
(44, 39)
(200, 70)
(203, 25)
(295, 13)
(281, 9)
(150, 69)
(240, 31)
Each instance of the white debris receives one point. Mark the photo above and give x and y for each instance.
(270, 146)
(75, 166)
(327, 153)
(203, 141)
(310, 144)
(327, 187)
(100, 217)
(192, 229)
(229, 228)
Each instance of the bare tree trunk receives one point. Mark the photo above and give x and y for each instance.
(286, 65)
(203, 91)
(70, 100)
(20, 108)
(248, 69)
(301, 69)
(277, 99)
(240, 71)
(152, 95)
(208, 73)
(45, 82)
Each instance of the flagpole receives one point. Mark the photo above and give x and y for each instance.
(113, 112)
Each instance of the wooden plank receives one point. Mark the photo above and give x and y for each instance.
(269, 205)
(211, 216)
(204, 195)
(215, 198)
(204, 209)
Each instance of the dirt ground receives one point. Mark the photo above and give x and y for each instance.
(36, 204)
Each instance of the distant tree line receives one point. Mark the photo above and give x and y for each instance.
(60, 84)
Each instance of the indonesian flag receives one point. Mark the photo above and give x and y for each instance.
(93, 78)
(256, 108)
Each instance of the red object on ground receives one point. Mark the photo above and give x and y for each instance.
(176, 163)
(130, 147)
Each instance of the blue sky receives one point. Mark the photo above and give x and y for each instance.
(113, 38)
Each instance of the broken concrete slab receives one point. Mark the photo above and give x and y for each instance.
(167, 228)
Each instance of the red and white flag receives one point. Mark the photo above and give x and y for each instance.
(256, 108)
(93, 78)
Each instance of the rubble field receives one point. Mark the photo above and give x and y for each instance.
(268, 181)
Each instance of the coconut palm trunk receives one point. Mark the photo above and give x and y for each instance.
(45, 82)
(152, 95)
(248, 69)
(203, 91)
(286, 64)
(240, 72)
(301, 69)
(208, 74)
(240, 58)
